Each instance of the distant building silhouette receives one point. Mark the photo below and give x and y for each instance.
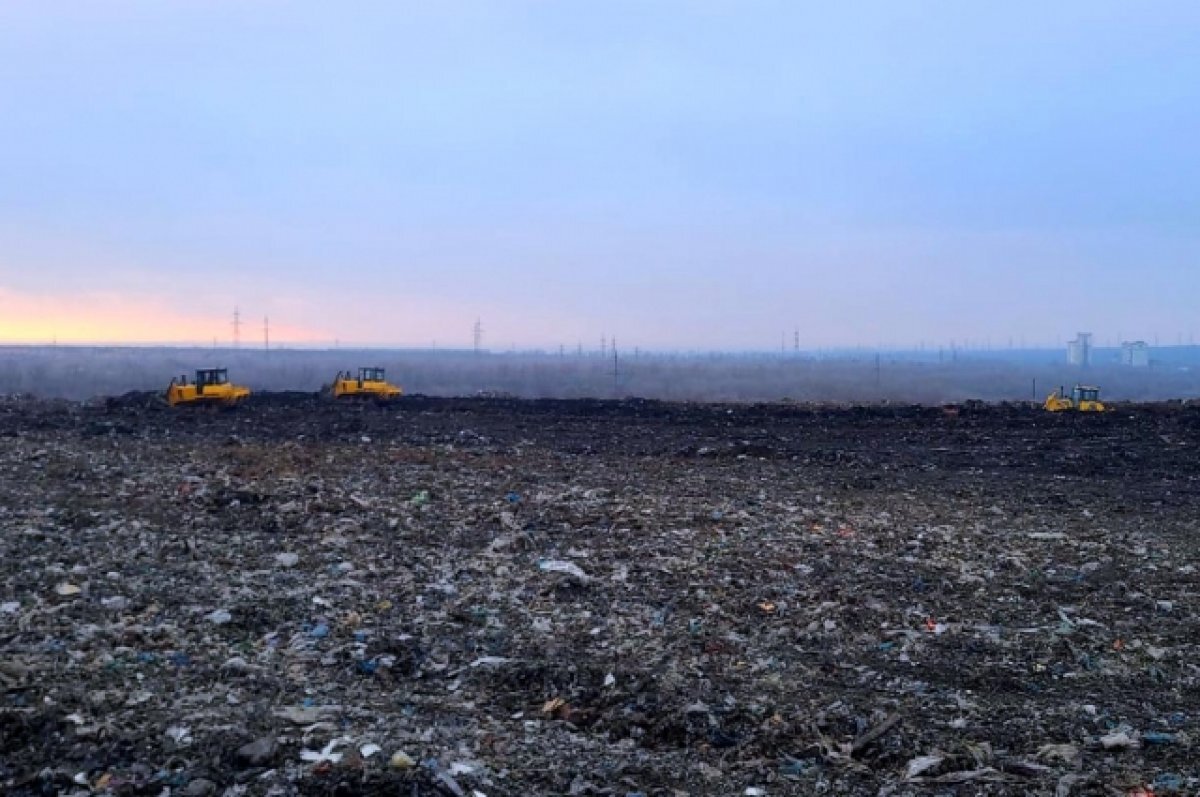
(1079, 351)
(1135, 354)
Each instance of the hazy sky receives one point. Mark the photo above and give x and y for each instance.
(679, 174)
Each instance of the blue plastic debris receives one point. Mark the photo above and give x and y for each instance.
(319, 631)
(513, 498)
(1168, 782)
(1158, 737)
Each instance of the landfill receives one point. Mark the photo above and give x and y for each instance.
(489, 596)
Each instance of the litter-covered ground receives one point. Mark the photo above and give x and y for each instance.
(497, 597)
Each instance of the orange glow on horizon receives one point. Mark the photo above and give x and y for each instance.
(107, 318)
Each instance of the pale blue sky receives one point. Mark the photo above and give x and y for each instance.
(680, 174)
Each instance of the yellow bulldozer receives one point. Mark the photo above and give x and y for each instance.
(1083, 398)
(371, 383)
(212, 387)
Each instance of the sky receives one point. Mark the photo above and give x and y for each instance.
(679, 175)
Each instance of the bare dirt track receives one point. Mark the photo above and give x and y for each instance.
(577, 597)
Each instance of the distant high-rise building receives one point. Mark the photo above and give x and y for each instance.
(1135, 354)
(1079, 351)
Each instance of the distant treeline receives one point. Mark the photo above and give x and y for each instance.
(86, 372)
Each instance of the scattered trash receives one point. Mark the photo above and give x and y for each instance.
(1168, 783)
(922, 764)
(828, 600)
(1158, 738)
(1119, 740)
(200, 787)
(67, 590)
(570, 568)
(258, 753)
(1064, 753)
(401, 760)
(326, 755)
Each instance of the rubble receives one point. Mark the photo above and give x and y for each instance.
(502, 597)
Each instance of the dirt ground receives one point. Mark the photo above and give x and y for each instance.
(501, 597)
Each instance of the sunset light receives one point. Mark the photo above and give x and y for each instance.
(106, 318)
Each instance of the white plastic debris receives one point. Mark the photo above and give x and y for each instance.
(1118, 740)
(326, 753)
(401, 760)
(180, 734)
(287, 559)
(922, 764)
(67, 590)
(218, 617)
(562, 566)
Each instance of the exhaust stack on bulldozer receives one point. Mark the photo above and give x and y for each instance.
(371, 383)
(212, 387)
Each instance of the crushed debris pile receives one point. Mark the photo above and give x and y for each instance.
(500, 597)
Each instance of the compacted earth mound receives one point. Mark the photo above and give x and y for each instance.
(502, 597)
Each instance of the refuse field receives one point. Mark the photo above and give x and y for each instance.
(503, 597)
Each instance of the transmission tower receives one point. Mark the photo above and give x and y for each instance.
(266, 334)
(237, 327)
(477, 334)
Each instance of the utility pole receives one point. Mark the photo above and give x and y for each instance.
(796, 341)
(266, 334)
(237, 327)
(603, 344)
(616, 369)
(477, 335)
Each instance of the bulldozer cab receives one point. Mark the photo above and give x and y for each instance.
(1082, 393)
(210, 376)
(371, 375)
